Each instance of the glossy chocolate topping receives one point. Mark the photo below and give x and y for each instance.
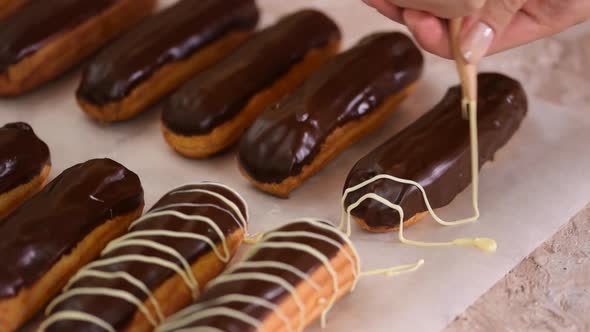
(289, 136)
(50, 225)
(221, 92)
(435, 152)
(32, 27)
(269, 291)
(118, 312)
(22, 155)
(173, 34)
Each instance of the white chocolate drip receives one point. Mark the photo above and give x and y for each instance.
(485, 244)
(137, 239)
(186, 314)
(201, 329)
(101, 291)
(394, 271)
(217, 311)
(274, 265)
(75, 315)
(83, 273)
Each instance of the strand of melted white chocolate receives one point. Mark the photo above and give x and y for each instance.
(103, 291)
(78, 316)
(84, 272)
(130, 240)
(486, 244)
(275, 265)
(236, 298)
(187, 316)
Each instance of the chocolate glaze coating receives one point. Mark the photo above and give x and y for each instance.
(435, 152)
(31, 28)
(118, 312)
(289, 135)
(221, 92)
(50, 225)
(22, 155)
(171, 35)
(267, 290)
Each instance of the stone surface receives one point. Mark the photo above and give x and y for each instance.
(548, 291)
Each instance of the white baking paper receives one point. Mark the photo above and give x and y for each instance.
(537, 182)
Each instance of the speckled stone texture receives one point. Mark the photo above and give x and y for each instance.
(548, 291)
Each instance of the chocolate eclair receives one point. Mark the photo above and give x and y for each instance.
(163, 52)
(45, 38)
(24, 165)
(63, 227)
(210, 112)
(340, 103)
(435, 152)
(8, 7)
(158, 267)
(291, 277)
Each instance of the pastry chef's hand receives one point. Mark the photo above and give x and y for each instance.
(491, 25)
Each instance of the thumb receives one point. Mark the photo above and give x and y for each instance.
(487, 24)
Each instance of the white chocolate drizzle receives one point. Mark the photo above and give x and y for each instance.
(236, 298)
(177, 263)
(239, 272)
(485, 244)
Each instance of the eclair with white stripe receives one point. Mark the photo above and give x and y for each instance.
(158, 267)
(291, 277)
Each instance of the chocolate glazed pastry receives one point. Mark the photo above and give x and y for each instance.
(210, 112)
(65, 226)
(24, 165)
(8, 7)
(435, 152)
(162, 53)
(291, 277)
(158, 267)
(45, 38)
(340, 103)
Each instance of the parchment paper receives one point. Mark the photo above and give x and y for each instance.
(534, 185)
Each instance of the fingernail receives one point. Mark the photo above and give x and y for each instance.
(477, 42)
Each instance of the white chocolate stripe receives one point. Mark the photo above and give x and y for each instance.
(169, 206)
(275, 265)
(148, 260)
(158, 247)
(224, 199)
(84, 273)
(221, 185)
(327, 225)
(317, 254)
(235, 298)
(147, 233)
(212, 312)
(201, 329)
(315, 236)
(75, 315)
(186, 217)
(225, 278)
(101, 291)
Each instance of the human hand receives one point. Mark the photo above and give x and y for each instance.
(490, 25)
